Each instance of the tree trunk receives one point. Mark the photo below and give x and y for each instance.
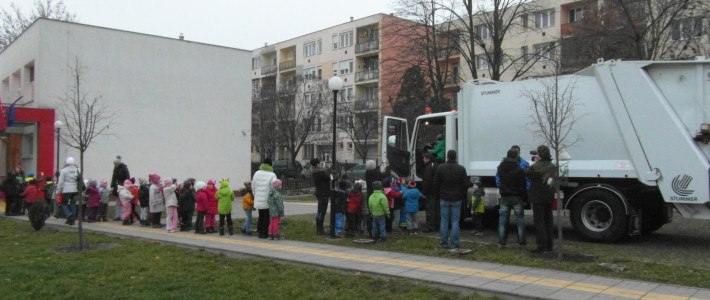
(81, 202)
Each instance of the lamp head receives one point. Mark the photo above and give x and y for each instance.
(335, 83)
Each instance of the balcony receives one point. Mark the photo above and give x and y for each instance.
(367, 75)
(268, 50)
(268, 70)
(447, 53)
(287, 65)
(451, 81)
(366, 104)
(289, 87)
(367, 46)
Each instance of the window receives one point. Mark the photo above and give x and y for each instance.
(545, 18)
(346, 94)
(308, 151)
(309, 98)
(345, 67)
(481, 62)
(371, 92)
(576, 14)
(312, 73)
(317, 124)
(346, 39)
(255, 84)
(483, 32)
(335, 41)
(350, 146)
(544, 51)
(524, 20)
(255, 63)
(309, 49)
(524, 52)
(335, 69)
(319, 46)
(340, 145)
(687, 28)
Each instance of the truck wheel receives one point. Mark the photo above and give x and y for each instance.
(600, 216)
(655, 215)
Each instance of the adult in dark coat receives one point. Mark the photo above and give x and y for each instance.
(432, 202)
(450, 184)
(540, 195)
(321, 180)
(11, 188)
(512, 192)
(120, 174)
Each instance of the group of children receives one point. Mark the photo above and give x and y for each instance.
(379, 210)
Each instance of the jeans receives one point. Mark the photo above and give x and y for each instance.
(516, 203)
(378, 226)
(69, 206)
(432, 213)
(412, 221)
(450, 212)
(339, 223)
(320, 216)
(247, 222)
(119, 210)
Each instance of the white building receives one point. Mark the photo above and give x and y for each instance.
(182, 108)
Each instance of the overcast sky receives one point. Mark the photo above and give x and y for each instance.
(244, 24)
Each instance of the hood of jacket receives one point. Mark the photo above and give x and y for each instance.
(266, 167)
(508, 164)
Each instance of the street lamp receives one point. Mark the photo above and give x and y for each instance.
(335, 84)
(57, 125)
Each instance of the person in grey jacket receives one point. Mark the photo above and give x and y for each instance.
(66, 185)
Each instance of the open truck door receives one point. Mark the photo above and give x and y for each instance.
(395, 145)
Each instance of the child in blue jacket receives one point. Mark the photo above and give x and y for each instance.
(411, 206)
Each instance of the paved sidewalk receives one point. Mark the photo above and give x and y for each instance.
(499, 279)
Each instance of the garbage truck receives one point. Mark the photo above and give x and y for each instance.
(641, 129)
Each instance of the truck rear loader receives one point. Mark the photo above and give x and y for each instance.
(642, 128)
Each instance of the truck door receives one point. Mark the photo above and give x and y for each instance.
(395, 145)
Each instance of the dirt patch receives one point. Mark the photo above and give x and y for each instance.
(568, 257)
(75, 247)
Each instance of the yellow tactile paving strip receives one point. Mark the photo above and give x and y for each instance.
(495, 275)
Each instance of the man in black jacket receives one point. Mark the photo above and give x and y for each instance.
(120, 174)
(321, 180)
(450, 186)
(432, 202)
(541, 194)
(512, 191)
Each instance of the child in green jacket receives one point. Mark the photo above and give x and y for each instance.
(379, 208)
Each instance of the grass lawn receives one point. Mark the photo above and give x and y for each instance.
(302, 228)
(33, 268)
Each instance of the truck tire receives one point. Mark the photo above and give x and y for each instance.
(655, 215)
(599, 215)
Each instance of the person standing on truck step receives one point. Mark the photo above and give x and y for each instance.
(432, 202)
(321, 181)
(450, 185)
(439, 148)
(512, 192)
(540, 196)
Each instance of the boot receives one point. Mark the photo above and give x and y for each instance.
(221, 230)
(126, 222)
(277, 237)
(271, 237)
(230, 229)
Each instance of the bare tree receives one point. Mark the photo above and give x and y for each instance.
(639, 29)
(358, 120)
(263, 122)
(299, 105)
(553, 119)
(85, 117)
(14, 22)
(486, 27)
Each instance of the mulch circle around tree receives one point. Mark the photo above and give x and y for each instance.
(75, 247)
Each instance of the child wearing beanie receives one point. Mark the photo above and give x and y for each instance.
(353, 212)
(276, 209)
(125, 196)
(104, 193)
(171, 214)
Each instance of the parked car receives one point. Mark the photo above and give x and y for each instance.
(285, 168)
(356, 172)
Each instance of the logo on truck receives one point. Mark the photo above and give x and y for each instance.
(680, 185)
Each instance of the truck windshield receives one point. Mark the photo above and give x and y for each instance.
(425, 137)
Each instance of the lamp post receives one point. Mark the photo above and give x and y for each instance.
(57, 125)
(335, 84)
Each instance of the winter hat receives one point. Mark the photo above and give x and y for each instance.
(385, 182)
(412, 184)
(154, 178)
(277, 184)
(247, 183)
(224, 183)
(362, 183)
(92, 182)
(377, 185)
(70, 160)
(200, 185)
(104, 183)
(357, 186)
(127, 183)
(117, 161)
(167, 182)
(210, 182)
(133, 180)
(268, 161)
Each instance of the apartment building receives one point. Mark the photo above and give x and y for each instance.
(359, 52)
(181, 107)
